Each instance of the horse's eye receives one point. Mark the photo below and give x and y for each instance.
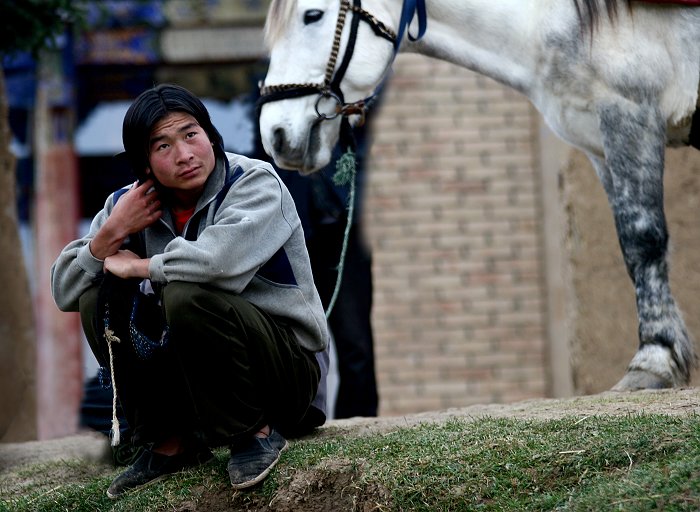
(312, 16)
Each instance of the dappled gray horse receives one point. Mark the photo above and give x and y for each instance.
(615, 78)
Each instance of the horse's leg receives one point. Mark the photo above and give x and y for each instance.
(632, 174)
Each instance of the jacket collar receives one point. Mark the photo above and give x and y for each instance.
(214, 183)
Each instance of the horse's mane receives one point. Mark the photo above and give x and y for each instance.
(590, 11)
(277, 16)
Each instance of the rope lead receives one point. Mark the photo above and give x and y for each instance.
(116, 432)
(346, 169)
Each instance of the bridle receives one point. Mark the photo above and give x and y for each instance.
(330, 87)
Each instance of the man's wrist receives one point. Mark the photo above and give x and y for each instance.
(92, 253)
(106, 243)
(142, 268)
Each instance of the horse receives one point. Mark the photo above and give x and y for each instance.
(615, 78)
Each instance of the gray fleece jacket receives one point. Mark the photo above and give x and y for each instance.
(249, 241)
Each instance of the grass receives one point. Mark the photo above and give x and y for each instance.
(639, 462)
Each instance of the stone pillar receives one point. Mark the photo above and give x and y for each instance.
(59, 357)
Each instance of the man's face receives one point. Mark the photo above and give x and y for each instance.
(181, 154)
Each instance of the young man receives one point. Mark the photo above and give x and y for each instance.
(195, 290)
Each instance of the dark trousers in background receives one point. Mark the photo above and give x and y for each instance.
(350, 319)
(227, 370)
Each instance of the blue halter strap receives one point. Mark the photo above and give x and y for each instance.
(408, 11)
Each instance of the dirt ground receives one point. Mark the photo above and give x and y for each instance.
(16, 456)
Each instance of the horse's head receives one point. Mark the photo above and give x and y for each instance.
(326, 58)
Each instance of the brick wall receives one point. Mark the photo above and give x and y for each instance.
(452, 216)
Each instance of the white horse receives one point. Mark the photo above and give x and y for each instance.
(619, 80)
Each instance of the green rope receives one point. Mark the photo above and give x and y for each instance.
(344, 175)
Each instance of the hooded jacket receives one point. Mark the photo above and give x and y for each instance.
(245, 237)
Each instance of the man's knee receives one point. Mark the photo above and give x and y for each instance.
(189, 302)
(178, 298)
(176, 293)
(88, 309)
(88, 300)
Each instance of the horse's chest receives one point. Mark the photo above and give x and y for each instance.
(572, 119)
(564, 92)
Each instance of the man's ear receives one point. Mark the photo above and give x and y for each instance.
(144, 174)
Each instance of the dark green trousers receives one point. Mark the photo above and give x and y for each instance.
(227, 369)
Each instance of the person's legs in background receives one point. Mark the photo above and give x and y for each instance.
(350, 319)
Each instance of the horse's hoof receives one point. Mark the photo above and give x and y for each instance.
(635, 380)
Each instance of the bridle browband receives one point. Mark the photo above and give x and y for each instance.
(330, 87)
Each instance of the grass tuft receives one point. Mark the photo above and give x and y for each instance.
(636, 462)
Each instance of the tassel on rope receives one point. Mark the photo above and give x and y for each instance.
(116, 433)
(346, 169)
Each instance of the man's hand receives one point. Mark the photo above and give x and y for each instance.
(126, 264)
(136, 209)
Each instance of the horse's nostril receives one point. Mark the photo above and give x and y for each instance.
(278, 140)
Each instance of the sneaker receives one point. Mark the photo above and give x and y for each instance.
(252, 463)
(126, 453)
(151, 467)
